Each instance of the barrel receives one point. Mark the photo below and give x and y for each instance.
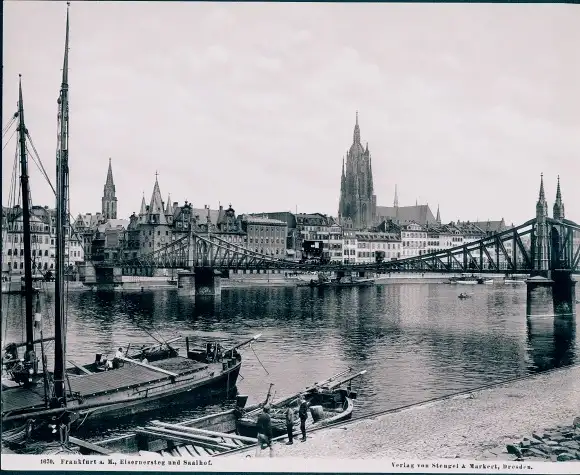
(241, 400)
(317, 413)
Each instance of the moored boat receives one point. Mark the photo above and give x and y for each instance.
(229, 430)
(328, 401)
(346, 281)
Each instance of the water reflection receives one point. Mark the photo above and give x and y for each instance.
(416, 341)
(551, 342)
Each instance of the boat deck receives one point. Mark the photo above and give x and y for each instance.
(15, 399)
(131, 375)
(126, 377)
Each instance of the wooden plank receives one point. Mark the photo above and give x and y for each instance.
(88, 446)
(195, 430)
(197, 450)
(84, 370)
(190, 450)
(148, 366)
(181, 440)
(192, 437)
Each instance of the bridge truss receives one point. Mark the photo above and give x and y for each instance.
(511, 251)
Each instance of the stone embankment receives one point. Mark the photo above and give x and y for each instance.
(476, 426)
(559, 444)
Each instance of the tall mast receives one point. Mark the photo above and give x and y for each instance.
(61, 228)
(25, 222)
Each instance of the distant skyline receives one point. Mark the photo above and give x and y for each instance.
(462, 105)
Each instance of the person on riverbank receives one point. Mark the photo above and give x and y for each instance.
(117, 358)
(303, 414)
(264, 426)
(290, 424)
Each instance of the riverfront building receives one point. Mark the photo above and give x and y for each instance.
(43, 235)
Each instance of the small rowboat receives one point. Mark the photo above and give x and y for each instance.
(328, 402)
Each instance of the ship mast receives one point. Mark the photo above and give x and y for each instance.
(62, 189)
(26, 228)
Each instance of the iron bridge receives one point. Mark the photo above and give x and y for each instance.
(511, 251)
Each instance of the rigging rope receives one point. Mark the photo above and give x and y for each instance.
(8, 141)
(252, 348)
(9, 124)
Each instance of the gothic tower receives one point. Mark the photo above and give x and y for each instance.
(541, 258)
(559, 205)
(357, 199)
(109, 201)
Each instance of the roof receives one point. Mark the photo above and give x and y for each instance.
(421, 214)
(262, 220)
(202, 213)
(374, 236)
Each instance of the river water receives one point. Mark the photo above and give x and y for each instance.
(416, 341)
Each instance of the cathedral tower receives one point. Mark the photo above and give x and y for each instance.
(357, 199)
(109, 201)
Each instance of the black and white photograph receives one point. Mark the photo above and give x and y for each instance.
(283, 236)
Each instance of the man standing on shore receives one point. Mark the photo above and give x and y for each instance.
(290, 424)
(303, 414)
(264, 426)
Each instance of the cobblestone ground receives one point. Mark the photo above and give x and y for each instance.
(477, 426)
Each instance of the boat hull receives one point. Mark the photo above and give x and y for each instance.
(149, 394)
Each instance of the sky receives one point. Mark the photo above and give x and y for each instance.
(462, 105)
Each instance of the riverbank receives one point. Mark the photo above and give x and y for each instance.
(138, 283)
(476, 426)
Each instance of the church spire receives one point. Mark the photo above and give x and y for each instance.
(356, 134)
(558, 205)
(110, 175)
(438, 218)
(396, 202)
(109, 200)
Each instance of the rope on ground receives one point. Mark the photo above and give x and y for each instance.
(259, 360)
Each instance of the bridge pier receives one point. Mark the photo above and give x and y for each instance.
(540, 300)
(200, 282)
(207, 282)
(103, 278)
(553, 296)
(186, 282)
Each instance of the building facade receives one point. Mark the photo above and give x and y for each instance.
(43, 236)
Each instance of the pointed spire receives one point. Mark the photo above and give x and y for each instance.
(168, 207)
(396, 202)
(356, 135)
(541, 205)
(438, 218)
(110, 181)
(542, 194)
(367, 148)
(416, 202)
(559, 205)
(143, 205)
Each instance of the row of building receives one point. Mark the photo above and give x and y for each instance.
(104, 237)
